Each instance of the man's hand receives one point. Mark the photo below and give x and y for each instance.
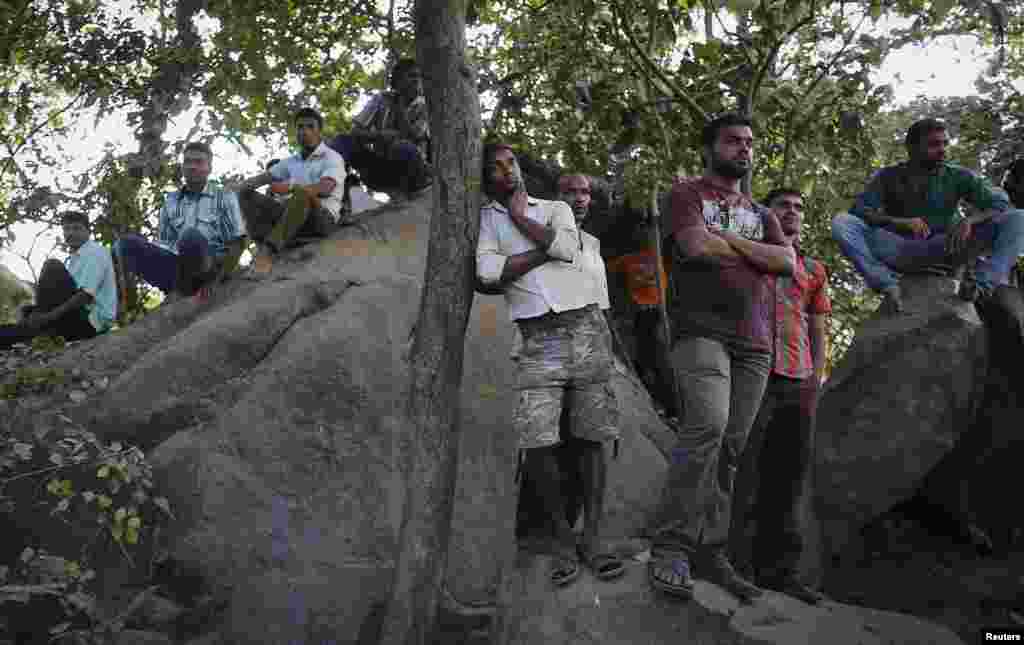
(956, 241)
(917, 226)
(517, 206)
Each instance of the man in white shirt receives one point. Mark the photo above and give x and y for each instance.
(315, 180)
(533, 250)
(76, 301)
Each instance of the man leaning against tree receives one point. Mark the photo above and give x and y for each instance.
(725, 254)
(533, 249)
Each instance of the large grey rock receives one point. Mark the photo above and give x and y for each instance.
(891, 409)
(277, 412)
(627, 611)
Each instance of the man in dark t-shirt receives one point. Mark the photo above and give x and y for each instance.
(725, 253)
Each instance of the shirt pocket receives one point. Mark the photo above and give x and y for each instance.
(208, 224)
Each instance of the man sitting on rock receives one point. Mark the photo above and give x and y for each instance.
(533, 249)
(390, 140)
(784, 427)
(200, 239)
(76, 301)
(315, 181)
(906, 219)
(725, 254)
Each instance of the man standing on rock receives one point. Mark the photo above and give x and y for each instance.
(906, 218)
(315, 180)
(725, 254)
(76, 301)
(784, 427)
(201, 234)
(533, 250)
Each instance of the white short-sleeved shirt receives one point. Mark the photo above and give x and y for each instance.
(93, 272)
(323, 162)
(562, 284)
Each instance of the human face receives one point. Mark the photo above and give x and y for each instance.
(575, 191)
(307, 132)
(75, 235)
(732, 155)
(195, 166)
(790, 211)
(504, 173)
(410, 83)
(932, 148)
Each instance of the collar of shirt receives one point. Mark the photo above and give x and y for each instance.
(207, 190)
(317, 153)
(498, 206)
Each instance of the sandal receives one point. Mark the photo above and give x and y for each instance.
(605, 566)
(564, 570)
(671, 577)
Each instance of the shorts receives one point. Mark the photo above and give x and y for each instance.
(565, 360)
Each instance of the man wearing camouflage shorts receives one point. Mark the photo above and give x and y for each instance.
(533, 251)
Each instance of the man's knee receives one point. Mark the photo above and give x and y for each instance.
(845, 224)
(128, 245)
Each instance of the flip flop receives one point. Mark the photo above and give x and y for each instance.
(671, 577)
(564, 570)
(605, 566)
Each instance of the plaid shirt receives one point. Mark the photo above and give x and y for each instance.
(797, 298)
(214, 212)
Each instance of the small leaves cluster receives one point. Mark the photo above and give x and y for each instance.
(37, 576)
(31, 380)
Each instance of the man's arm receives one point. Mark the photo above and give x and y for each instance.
(769, 258)
(257, 181)
(697, 243)
(818, 332)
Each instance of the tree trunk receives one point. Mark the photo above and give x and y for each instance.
(430, 452)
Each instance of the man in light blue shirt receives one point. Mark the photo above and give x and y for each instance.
(77, 301)
(200, 238)
(315, 181)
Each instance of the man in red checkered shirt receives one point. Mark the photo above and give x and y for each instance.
(785, 423)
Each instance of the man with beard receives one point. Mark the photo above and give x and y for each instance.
(533, 250)
(76, 301)
(314, 179)
(784, 428)
(725, 254)
(907, 218)
(200, 238)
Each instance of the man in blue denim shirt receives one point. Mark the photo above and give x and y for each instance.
(201, 234)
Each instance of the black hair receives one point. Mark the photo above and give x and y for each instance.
(401, 67)
(199, 146)
(920, 129)
(309, 113)
(709, 134)
(778, 192)
(491, 151)
(272, 163)
(74, 217)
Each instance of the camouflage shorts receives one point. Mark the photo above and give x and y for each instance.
(565, 361)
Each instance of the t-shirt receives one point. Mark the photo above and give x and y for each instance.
(93, 272)
(640, 277)
(730, 300)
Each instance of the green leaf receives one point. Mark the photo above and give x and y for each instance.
(103, 472)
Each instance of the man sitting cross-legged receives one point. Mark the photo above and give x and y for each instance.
(77, 301)
(906, 219)
(315, 180)
(533, 249)
(201, 234)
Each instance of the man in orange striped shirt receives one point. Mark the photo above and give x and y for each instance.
(784, 426)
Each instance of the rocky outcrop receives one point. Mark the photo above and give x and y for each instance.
(892, 408)
(274, 414)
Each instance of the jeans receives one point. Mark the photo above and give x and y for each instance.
(722, 386)
(774, 473)
(879, 254)
(55, 287)
(652, 356)
(398, 166)
(161, 268)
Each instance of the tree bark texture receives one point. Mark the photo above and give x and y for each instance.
(430, 452)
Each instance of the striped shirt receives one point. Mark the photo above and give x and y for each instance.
(797, 298)
(214, 212)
